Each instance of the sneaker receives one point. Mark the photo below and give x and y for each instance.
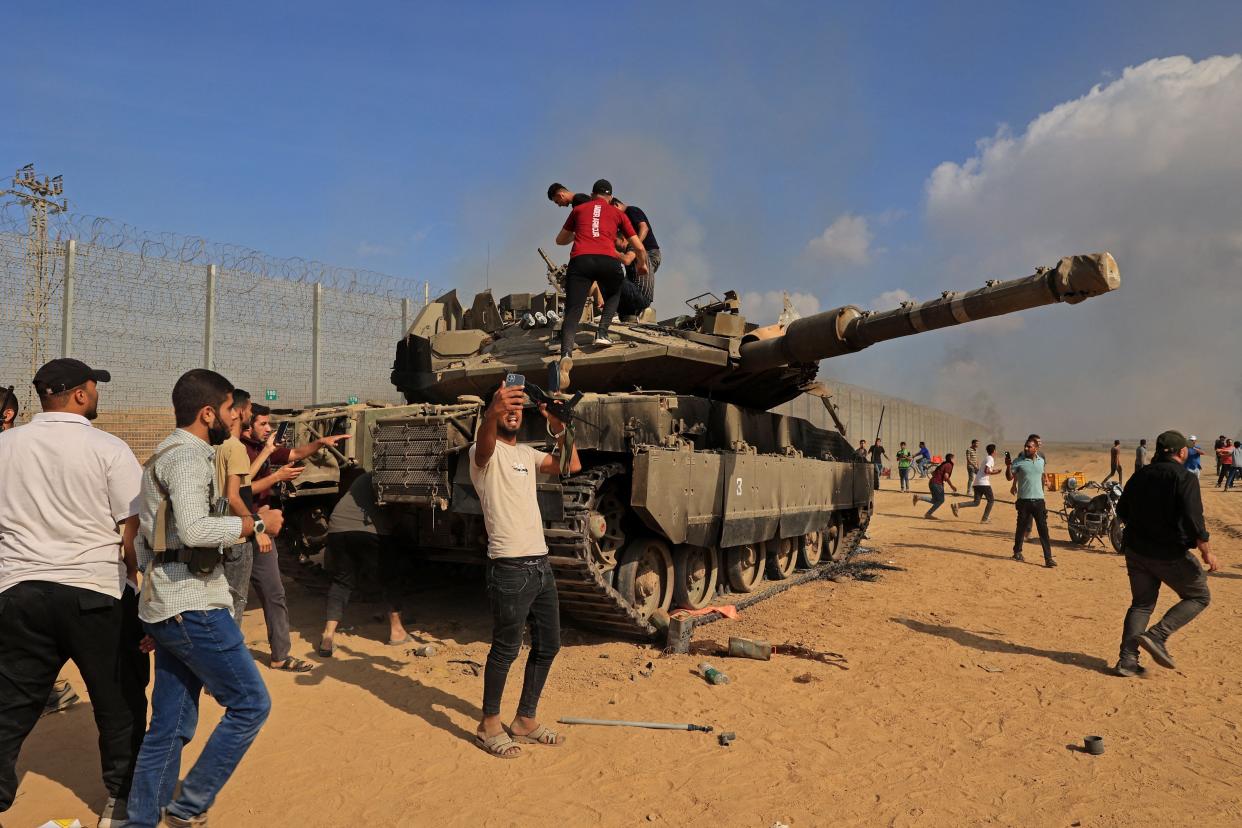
(114, 813)
(1127, 668)
(61, 698)
(1049, 563)
(1017, 556)
(564, 367)
(986, 520)
(1156, 648)
(603, 341)
(171, 821)
(953, 506)
(915, 499)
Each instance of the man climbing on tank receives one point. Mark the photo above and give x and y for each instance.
(592, 229)
(520, 583)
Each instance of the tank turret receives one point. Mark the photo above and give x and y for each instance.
(714, 351)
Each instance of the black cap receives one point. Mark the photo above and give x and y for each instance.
(62, 374)
(1170, 442)
(602, 187)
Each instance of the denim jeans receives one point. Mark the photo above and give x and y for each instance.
(193, 650)
(521, 590)
(879, 469)
(1032, 508)
(937, 497)
(1183, 575)
(905, 478)
(981, 493)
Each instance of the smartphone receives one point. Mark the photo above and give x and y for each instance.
(282, 431)
(514, 380)
(1008, 457)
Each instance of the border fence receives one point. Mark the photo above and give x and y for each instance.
(859, 410)
(148, 307)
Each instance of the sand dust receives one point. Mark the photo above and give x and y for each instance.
(971, 678)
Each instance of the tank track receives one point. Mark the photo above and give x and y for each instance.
(584, 592)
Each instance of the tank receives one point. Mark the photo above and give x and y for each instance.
(693, 493)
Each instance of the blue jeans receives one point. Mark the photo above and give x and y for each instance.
(194, 650)
(905, 478)
(936, 499)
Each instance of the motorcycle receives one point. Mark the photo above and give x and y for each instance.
(1092, 517)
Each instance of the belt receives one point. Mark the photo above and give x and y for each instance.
(525, 561)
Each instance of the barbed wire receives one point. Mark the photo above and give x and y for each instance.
(141, 302)
(110, 234)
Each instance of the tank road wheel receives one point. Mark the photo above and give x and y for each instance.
(695, 572)
(645, 575)
(832, 539)
(612, 508)
(744, 566)
(782, 557)
(810, 550)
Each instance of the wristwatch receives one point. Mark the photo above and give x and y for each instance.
(259, 526)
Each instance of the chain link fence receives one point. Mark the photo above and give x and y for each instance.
(149, 307)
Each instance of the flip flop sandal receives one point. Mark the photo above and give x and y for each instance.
(294, 665)
(539, 736)
(409, 639)
(499, 746)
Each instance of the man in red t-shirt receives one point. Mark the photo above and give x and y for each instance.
(936, 485)
(593, 227)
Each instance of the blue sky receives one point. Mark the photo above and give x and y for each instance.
(418, 139)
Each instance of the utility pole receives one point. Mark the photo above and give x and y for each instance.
(39, 196)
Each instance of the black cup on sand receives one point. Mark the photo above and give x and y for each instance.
(1094, 745)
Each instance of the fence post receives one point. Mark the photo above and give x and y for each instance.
(318, 306)
(209, 316)
(66, 325)
(405, 315)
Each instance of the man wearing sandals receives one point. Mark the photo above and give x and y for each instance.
(187, 610)
(520, 584)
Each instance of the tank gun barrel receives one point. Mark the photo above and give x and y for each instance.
(849, 329)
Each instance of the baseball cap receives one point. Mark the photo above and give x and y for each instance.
(1170, 442)
(602, 187)
(62, 374)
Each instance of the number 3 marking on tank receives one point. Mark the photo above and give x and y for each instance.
(739, 485)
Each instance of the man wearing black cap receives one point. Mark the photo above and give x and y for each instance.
(592, 228)
(68, 517)
(1163, 516)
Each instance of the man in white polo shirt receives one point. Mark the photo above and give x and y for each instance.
(68, 517)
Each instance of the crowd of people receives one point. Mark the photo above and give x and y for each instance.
(105, 561)
(1161, 510)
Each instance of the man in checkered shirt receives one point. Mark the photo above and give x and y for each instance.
(187, 611)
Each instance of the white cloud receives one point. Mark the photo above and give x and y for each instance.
(764, 307)
(847, 239)
(1148, 167)
(890, 299)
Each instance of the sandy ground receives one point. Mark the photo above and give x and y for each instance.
(971, 678)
